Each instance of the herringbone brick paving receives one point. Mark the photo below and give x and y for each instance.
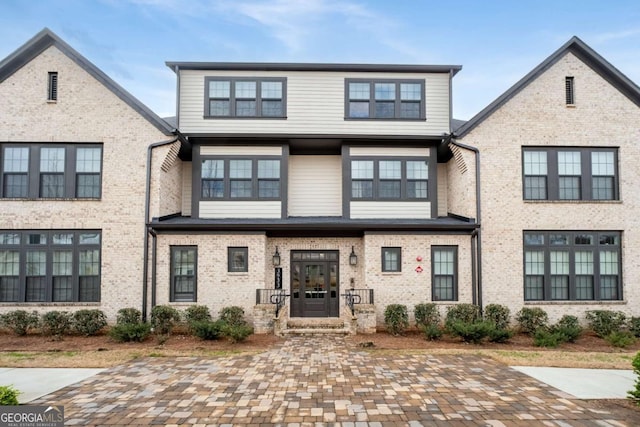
(309, 381)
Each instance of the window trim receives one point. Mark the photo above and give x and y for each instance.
(245, 251)
(403, 179)
(34, 173)
(232, 98)
(173, 276)
(49, 247)
(390, 249)
(586, 176)
(397, 101)
(255, 180)
(572, 247)
(454, 249)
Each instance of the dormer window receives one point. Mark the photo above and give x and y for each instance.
(52, 92)
(569, 90)
(227, 97)
(384, 99)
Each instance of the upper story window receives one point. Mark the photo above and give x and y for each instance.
(399, 179)
(570, 173)
(240, 178)
(52, 87)
(32, 171)
(227, 97)
(384, 99)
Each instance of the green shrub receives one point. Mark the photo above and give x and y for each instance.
(9, 395)
(621, 339)
(20, 321)
(498, 315)
(163, 319)
(604, 322)
(471, 332)
(543, 337)
(197, 313)
(127, 332)
(634, 326)
(233, 316)
(465, 313)
(499, 335)
(56, 323)
(431, 331)
(89, 322)
(128, 316)
(635, 393)
(426, 314)
(569, 327)
(206, 329)
(531, 319)
(396, 319)
(236, 333)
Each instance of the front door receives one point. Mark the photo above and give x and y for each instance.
(314, 284)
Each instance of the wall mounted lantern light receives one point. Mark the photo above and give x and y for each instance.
(353, 258)
(276, 258)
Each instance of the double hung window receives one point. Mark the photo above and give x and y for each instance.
(183, 273)
(245, 97)
(444, 273)
(570, 173)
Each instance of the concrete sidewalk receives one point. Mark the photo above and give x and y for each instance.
(37, 382)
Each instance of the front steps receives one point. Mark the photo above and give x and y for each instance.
(316, 326)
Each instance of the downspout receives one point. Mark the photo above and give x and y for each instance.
(154, 251)
(478, 236)
(147, 228)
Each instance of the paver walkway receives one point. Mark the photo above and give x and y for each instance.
(324, 381)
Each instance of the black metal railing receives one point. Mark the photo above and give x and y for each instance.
(277, 297)
(352, 297)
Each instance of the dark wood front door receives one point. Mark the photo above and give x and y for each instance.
(314, 284)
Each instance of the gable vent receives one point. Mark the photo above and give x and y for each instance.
(569, 90)
(171, 157)
(457, 155)
(52, 94)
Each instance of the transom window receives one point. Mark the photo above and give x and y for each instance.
(384, 99)
(50, 172)
(570, 174)
(184, 261)
(444, 273)
(245, 97)
(389, 179)
(240, 178)
(391, 259)
(50, 266)
(575, 265)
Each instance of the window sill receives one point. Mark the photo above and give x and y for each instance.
(52, 199)
(392, 273)
(51, 304)
(237, 273)
(243, 118)
(385, 119)
(574, 202)
(590, 302)
(52, 101)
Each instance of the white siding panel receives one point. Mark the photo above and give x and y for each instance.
(315, 105)
(388, 151)
(240, 209)
(315, 186)
(442, 190)
(378, 210)
(240, 151)
(186, 188)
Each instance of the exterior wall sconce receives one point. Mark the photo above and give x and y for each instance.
(276, 258)
(353, 258)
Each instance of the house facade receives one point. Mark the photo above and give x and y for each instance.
(322, 192)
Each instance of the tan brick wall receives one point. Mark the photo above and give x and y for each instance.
(538, 116)
(86, 111)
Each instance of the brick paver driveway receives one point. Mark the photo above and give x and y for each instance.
(324, 381)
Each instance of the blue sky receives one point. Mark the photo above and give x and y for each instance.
(496, 42)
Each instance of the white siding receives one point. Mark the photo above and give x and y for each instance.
(240, 209)
(186, 189)
(443, 209)
(389, 151)
(315, 105)
(379, 210)
(315, 186)
(242, 151)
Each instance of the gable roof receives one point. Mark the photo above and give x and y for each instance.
(586, 55)
(47, 38)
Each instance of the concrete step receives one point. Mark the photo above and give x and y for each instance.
(316, 331)
(315, 323)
